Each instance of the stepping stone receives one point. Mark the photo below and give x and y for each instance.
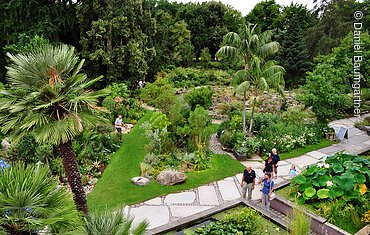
(155, 201)
(303, 161)
(228, 190)
(254, 164)
(316, 154)
(184, 211)
(239, 177)
(229, 179)
(283, 162)
(284, 170)
(330, 150)
(259, 173)
(367, 142)
(208, 195)
(155, 215)
(126, 210)
(184, 197)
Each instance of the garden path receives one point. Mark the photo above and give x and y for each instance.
(164, 209)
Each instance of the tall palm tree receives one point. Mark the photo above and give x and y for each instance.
(30, 200)
(48, 96)
(260, 77)
(246, 45)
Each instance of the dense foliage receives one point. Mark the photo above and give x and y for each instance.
(338, 187)
(37, 205)
(247, 221)
(291, 129)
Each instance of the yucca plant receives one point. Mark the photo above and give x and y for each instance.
(49, 97)
(113, 223)
(31, 200)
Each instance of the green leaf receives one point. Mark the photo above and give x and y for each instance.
(338, 168)
(323, 193)
(301, 200)
(300, 179)
(311, 170)
(310, 192)
(322, 179)
(346, 182)
(359, 178)
(336, 191)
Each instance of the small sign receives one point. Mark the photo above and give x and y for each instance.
(342, 133)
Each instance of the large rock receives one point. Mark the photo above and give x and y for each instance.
(141, 181)
(171, 177)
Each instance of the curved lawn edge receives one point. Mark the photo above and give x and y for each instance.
(114, 189)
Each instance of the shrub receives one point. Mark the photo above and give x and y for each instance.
(199, 96)
(119, 103)
(340, 176)
(245, 222)
(248, 147)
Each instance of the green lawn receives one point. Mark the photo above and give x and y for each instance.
(308, 148)
(114, 189)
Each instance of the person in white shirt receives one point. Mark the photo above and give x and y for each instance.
(118, 124)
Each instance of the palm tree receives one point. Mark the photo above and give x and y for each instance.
(113, 223)
(31, 200)
(260, 77)
(247, 45)
(48, 97)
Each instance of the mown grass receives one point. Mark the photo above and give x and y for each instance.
(308, 148)
(114, 189)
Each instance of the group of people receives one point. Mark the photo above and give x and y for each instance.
(270, 172)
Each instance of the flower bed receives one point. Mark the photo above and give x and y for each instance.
(336, 189)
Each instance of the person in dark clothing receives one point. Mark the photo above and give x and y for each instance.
(269, 165)
(275, 159)
(248, 181)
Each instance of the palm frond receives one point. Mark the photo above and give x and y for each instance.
(227, 52)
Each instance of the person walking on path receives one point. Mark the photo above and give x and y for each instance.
(118, 124)
(275, 159)
(248, 181)
(269, 165)
(267, 189)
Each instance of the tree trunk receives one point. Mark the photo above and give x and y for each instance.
(252, 115)
(110, 38)
(244, 111)
(73, 175)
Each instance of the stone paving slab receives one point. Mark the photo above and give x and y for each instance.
(284, 162)
(316, 154)
(239, 177)
(184, 197)
(208, 195)
(183, 211)
(259, 173)
(302, 161)
(330, 150)
(154, 201)
(283, 170)
(156, 215)
(228, 190)
(254, 164)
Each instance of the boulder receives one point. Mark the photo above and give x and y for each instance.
(141, 181)
(171, 177)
